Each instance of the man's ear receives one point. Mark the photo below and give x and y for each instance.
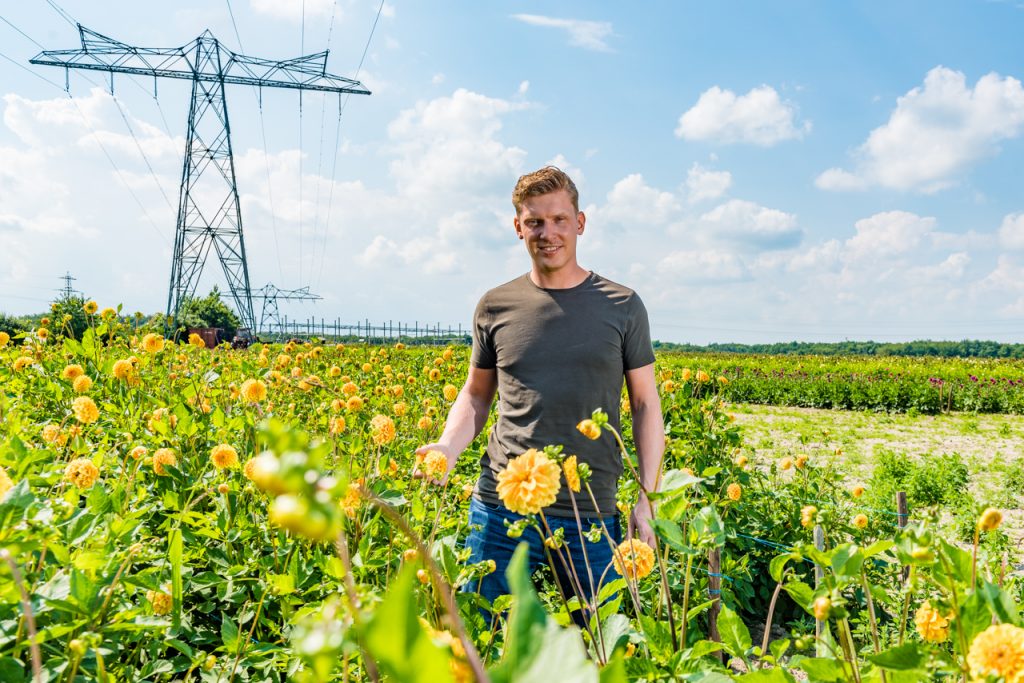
(519, 229)
(581, 219)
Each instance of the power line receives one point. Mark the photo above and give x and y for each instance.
(266, 152)
(330, 196)
(31, 39)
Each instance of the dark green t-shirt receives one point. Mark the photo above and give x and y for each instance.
(559, 354)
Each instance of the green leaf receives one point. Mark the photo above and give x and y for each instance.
(847, 560)
(801, 593)
(975, 616)
(703, 648)
(1000, 602)
(614, 671)
(778, 565)
(670, 532)
(822, 670)
(774, 675)
(14, 671)
(673, 483)
(397, 641)
(174, 556)
(707, 527)
(537, 649)
(906, 657)
(878, 547)
(228, 632)
(734, 633)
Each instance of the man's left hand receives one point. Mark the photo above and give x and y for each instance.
(639, 522)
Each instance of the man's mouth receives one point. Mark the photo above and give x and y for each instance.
(549, 249)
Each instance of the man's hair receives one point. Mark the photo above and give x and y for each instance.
(544, 181)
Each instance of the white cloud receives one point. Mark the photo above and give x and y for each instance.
(888, 234)
(1011, 232)
(760, 117)
(706, 184)
(707, 266)
(293, 10)
(589, 35)
(952, 268)
(448, 145)
(936, 132)
(437, 79)
(631, 202)
(751, 226)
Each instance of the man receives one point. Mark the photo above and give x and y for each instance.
(556, 343)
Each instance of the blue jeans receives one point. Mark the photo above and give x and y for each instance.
(488, 540)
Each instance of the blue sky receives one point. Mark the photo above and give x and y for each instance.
(756, 171)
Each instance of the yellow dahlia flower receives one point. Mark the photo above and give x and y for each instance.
(808, 516)
(349, 388)
(734, 491)
(223, 455)
(350, 503)
(703, 376)
(22, 362)
(634, 559)
(5, 483)
(90, 307)
(72, 371)
(162, 457)
(85, 410)
(860, 521)
(450, 392)
(529, 483)
(354, 404)
(382, 429)
(196, 341)
(572, 474)
(337, 425)
(4, 338)
(786, 463)
(82, 384)
(81, 472)
(152, 343)
(424, 423)
(931, 625)
(161, 602)
(998, 651)
(138, 453)
(249, 468)
(253, 390)
(435, 465)
(589, 429)
(990, 520)
(857, 491)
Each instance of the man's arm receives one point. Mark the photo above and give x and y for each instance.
(467, 416)
(649, 437)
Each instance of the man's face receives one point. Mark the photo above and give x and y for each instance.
(549, 225)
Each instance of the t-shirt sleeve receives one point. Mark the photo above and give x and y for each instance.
(484, 355)
(637, 350)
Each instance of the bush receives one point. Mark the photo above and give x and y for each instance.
(71, 308)
(210, 311)
(11, 325)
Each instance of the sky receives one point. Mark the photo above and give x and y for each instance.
(757, 172)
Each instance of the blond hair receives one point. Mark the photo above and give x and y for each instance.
(544, 181)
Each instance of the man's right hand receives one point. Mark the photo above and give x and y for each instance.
(448, 453)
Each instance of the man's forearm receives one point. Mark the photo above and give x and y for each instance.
(649, 437)
(465, 420)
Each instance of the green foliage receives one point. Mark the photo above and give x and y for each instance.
(209, 311)
(968, 348)
(925, 385)
(68, 316)
(12, 325)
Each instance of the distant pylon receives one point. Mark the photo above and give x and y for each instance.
(208, 207)
(67, 291)
(270, 294)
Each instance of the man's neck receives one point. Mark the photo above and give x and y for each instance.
(560, 279)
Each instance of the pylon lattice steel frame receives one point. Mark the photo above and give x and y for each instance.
(208, 171)
(270, 294)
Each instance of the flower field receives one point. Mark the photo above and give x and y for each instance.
(899, 384)
(172, 512)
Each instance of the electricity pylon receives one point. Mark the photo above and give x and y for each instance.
(271, 293)
(208, 207)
